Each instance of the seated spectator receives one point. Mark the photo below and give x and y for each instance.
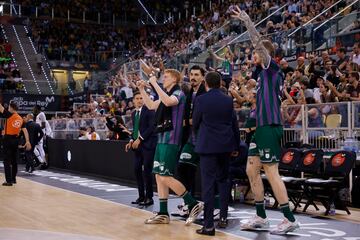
(343, 59)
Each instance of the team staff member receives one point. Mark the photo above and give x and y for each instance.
(143, 142)
(13, 125)
(217, 137)
(169, 121)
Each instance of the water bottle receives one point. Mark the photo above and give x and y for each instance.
(237, 192)
(267, 200)
(348, 144)
(332, 210)
(242, 197)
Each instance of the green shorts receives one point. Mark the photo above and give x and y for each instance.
(189, 156)
(266, 143)
(165, 160)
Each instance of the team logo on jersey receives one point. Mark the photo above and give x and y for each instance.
(185, 156)
(17, 124)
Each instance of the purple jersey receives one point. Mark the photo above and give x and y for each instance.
(174, 136)
(268, 100)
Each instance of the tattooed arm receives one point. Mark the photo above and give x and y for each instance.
(255, 37)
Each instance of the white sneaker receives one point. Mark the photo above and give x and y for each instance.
(285, 226)
(194, 213)
(183, 211)
(216, 214)
(255, 223)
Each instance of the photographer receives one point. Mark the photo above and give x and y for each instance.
(116, 125)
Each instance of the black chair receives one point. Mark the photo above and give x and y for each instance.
(287, 169)
(310, 164)
(326, 188)
(237, 171)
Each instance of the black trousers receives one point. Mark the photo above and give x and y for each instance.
(187, 176)
(30, 159)
(11, 146)
(143, 165)
(214, 171)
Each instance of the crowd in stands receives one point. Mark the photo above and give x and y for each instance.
(10, 77)
(76, 8)
(316, 78)
(79, 42)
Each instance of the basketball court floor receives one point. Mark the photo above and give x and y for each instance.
(58, 205)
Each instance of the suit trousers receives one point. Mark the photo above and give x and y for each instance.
(214, 171)
(11, 145)
(143, 165)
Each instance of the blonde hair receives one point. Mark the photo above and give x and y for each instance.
(269, 47)
(174, 73)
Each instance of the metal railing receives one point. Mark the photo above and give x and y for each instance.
(325, 126)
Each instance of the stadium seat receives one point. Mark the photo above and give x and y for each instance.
(333, 121)
(326, 189)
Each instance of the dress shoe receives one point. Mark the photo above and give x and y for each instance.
(147, 202)
(206, 232)
(137, 201)
(44, 166)
(223, 223)
(7, 184)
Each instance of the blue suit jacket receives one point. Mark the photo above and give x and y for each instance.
(216, 122)
(146, 128)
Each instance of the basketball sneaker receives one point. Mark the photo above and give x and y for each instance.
(284, 227)
(194, 213)
(255, 222)
(183, 211)
(158, 219)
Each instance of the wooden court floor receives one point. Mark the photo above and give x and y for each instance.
(31, 210)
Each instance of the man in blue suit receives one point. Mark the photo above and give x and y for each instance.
(143, 142)
(218, 137)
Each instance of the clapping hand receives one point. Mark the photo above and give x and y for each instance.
(153, 80)
(140, 84)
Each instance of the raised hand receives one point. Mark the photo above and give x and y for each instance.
(140, 84)
(240, 14)
(153, 80)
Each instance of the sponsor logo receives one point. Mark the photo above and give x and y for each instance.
(288, 157)
(338, 160)
(309, 159)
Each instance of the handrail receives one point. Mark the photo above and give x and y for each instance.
(217, 29)
(311, 20)
(257, 24)
(337, 14)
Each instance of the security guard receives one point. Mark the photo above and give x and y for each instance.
(13, 125)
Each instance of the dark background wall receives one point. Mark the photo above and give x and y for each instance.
(106, 159)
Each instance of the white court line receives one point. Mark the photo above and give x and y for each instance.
(123, 205)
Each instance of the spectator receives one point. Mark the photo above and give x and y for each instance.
(355, 57)
(284, 65)
(343, 59)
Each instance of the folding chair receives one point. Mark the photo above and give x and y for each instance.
(326, 189)
(287, 169)
(310, 163)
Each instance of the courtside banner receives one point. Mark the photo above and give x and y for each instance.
(26, 102)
